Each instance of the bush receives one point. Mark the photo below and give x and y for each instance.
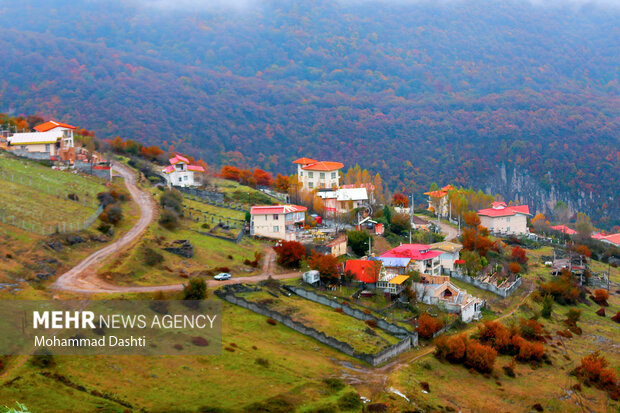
(278, 404)
(601, 312)
(528, 351)
(509, 370)
(616, 318)
(573, 315)
(350, 401)
(195, 289)
(371, 323)
(334, 384)
(271, 321)
(262, 362)
(428, 325)
(358, 241)
(452, 348)
(152, 257)
(601, 296)
(171, 200)
(290, 253)
(593, 371)
(531, 329)
(547, 306)
(169, 220)
(42, 358)
(104, 227)
(480, 357)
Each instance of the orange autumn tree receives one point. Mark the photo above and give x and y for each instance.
(400, 200)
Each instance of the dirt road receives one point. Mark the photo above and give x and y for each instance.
(83, 277)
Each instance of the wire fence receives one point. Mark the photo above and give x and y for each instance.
(46, 229)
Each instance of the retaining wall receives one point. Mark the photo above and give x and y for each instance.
(372, 359)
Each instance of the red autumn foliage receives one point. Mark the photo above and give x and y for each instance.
(151, 152)
(562, 288)
(281, 183)
(593, 370)
(531, 329)
(582, 250)
(290, 253)
(514, 267)
(518, 254)
(480, 357)
(601, 296)
(230, 172)
(528, 351)
(428, 325)
(400, 200)
(616, 318)
(262, 178)
(451, 348)
(601, 312)
(475, 240)
(326, 264)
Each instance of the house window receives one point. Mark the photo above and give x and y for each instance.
(180, 179)
(310, 184)
(276, 229)
(301, 173)
(322, 175)
(508, 219)
(310, 174)
(47, 147)
(507, 229)
(275, 217)
(333, 175)
(185, 178)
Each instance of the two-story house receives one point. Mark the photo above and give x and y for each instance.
(422, 257)
(50, 140)
(277, 221)
(505, 219)
(181, 172)
(313, 174)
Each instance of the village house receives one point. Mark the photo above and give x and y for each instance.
(438, 290)
(277, 221)
(343, 200)
(438, 201)
(181, 173)
(50, 140)
(450, 255)
(422, 258)
(504, 219)
(373, 275)
(613, 239)
(313, 174)
(327, 243)
(563, 229)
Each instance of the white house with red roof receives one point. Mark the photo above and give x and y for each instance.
(313, 174)
(277, 221)
(50, 139)
(422, 258)
(505, 219)
(343, 200)
(181, 172)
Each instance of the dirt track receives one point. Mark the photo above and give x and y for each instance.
(83, 277)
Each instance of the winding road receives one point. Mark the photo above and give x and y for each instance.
(83, 278)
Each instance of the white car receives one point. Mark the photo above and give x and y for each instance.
(222, 276)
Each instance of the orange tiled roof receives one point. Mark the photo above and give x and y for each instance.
(305, 161)
(324, 166)
(44, 127)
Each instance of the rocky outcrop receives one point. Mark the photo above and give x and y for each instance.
(181, 247)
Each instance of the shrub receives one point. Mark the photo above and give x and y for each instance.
(573, 315)
(452, 348)
(171, 200)
(616, 318)
(271, 321)
(428, 325)
(230, 349)
(195, 289)
(169, 219)
(152, 257)
(334, 384)
(509, 370)
(529, 351)
(358, 241)
(547, 306)
(425, 386)
(593, 370)
(538, 407)
(339, 310)
(104, 227)
(514, 267)
(562, 288)
(43, 358)
(601, 312)
(290, 253)
(531, 329)
(262, 362)
(350, 401)
(518, 254)
(199, 341)
(278, 404)
(601, 296)
(371, 323)
(480, 357)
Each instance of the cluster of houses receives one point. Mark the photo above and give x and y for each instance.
(54, 141)
(611, 239)
(389, 273)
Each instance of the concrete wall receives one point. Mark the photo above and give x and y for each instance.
(346, 348)
(502, 292)
(87, 169)
(515, 224)
(39, 156)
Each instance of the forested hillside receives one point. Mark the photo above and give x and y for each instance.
(416, 91)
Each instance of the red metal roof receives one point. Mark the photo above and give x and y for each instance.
(324, 166)
(417, 252)
(499, 209)
(276, 209)
(364, 270)
(613, 238)
(196, 168)
(564, 229)
(305, 161)
(178, 158)
(49, 125)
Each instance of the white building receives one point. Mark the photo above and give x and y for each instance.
(343, 200)
(277, 221)
(422, 258)
(312, 174)
(181, 173)
(504, 219)
(438, 290)
(450, 254)
(50, 139)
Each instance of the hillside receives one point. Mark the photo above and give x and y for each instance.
(448, 93)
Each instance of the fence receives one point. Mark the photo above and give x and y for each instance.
(501, 291)
(212, 197)
(372, 359)
(51, 229)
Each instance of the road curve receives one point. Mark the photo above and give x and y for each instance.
(83, 278)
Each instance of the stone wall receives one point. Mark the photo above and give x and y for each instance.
(89, 169)
(502, 292)
(372, 359)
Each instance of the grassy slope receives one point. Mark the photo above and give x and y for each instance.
(230, 380)
(548, 385)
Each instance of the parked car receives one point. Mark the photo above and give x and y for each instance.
(222, 276)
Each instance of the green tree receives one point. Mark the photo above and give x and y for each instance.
(400, 224)
(473, 263)
(195, 289)
(358, 241)
(387, 214)
(547, 306)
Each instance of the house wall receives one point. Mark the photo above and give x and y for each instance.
(433, 269)
(446, 260)
(515, 224)
(263, 225)
(181, 178)
(339, 249)
(311, 180)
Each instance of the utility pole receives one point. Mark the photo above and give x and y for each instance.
(411, 211)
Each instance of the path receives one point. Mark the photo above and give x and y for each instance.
(83, 277)
(448, 230)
